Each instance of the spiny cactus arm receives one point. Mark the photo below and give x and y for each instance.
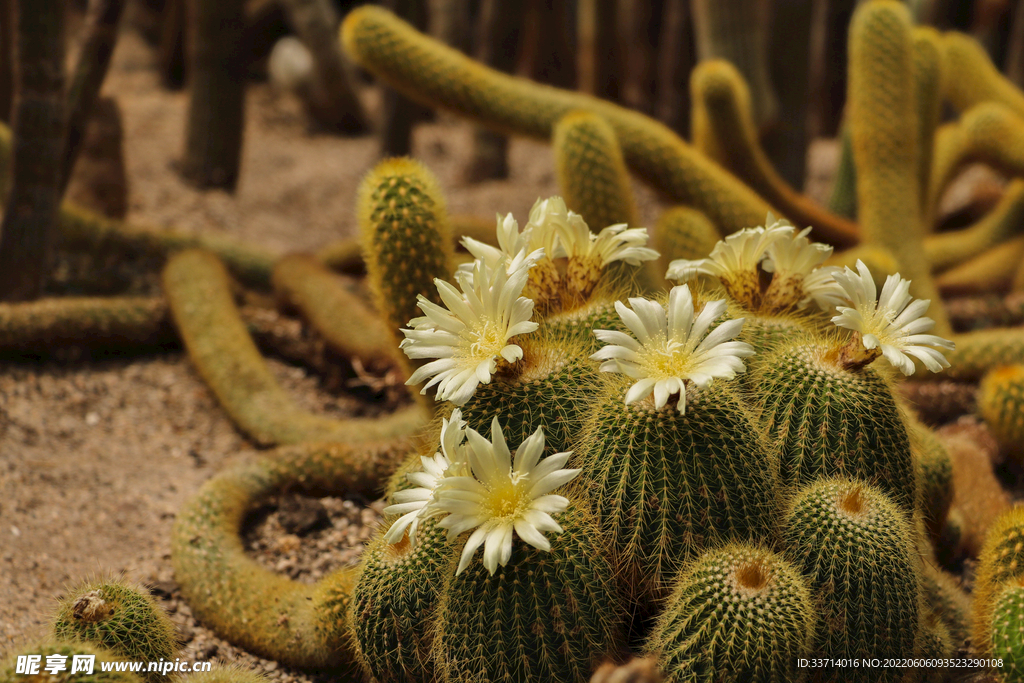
(199, 292)
(993, 269)
(263, 612)
(877, 258)
(948, 249)
(973, 78)
(978, 352)
(337, 312)
(1007, 620)
(683, 233)
(1001, 404)
(591, 172)
(108, 322)
(883, 130)
(722, 106)
(83, 230)
(948, 156)
(1001, 560)
(440, 76)
(928, 58)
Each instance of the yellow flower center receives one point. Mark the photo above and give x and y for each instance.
(481, 342)
(507, 501)
(662, 359)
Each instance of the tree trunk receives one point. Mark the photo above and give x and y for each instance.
(646, 19)
(549, 43)
(100, 30)
(171, 60)
(6, 58)
(498, 33)
(790, 53)
(216, 111)
(28, 235)
(829, 28)
(332, 102)
(1014, 65)
(675, 61)
(600, 49)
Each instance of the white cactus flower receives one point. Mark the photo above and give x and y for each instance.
(514, 247)
(414, 504)
(670, 349)
(892, 322)
(470, 334)
(501, 496)
(614, 243)
(735, 260)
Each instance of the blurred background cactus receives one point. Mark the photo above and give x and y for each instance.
(820, 504)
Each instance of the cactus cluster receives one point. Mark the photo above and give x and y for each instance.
(718, 478)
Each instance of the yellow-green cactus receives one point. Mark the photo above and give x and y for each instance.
(1001, 403)
(948, 249)
(972, 78)
(1001, 560)
(929, 80)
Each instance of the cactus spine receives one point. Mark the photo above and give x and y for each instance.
(1000, 562)
(972, 76)
(1007, 626)
(738, 613)
(854, 543)
(118, 617)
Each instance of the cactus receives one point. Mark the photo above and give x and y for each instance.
(393, 602)
(667, 484)
(591, 172)
(1007, 623)
(934, 470)
(232, 673)
(951, 248)
(426, 70)
(67, 650)
(1001, 561)
(1001, 404)
(977, 352)
(198, 289)
(973, 78)
(119, 617)
(406, 238)
(929, 79)
(882, 123)
(854, 543)
(724, 130)
(991, 270)
(833, 421)
(843, 199)
(737, 613)
(546, 615)
(947, 600)
(293, 623)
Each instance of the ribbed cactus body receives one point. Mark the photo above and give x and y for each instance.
(830, 421)
(738, 613)
(683, 233)
(928, 61)
(855, 545)
(1001, 403)
(118, 617)
(767, 333)
(666, 485)
(406, 238)
(979, 351)
(948, 600)
(440, 76)
(884, 132)
(1008, 631)
(576, 327)
(393, 603)
(545, 616)
(1001, 561)
(591, 172)
(550, 388)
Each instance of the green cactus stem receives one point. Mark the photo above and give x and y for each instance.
(337, 312)
(1001, 561)
(1007, 625)
(991, 270)
(929, 78)
(948, 249)
(119, 617)
(737, 613)
(1001, 404)
(428, 71)
(199, 292)
(883, 130)
(724, 129)
(544, 616)
(973, 78)
(296, 624)
(854, 544)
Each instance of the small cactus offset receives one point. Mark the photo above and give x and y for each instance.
(119, 617)
(1007, 626)
(738, 613)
